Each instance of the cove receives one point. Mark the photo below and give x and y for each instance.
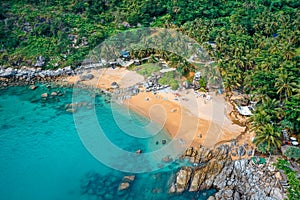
(42, 156)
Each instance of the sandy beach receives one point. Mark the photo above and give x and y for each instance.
(104, 77)
(208, 122)
(182, 113)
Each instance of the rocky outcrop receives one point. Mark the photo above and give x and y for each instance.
(27, 75)
(27, 72)
(242, 179)
(125, 184)
(30, 75)
(86, 77)
(238, 179)
(182, 179)
(121, 94)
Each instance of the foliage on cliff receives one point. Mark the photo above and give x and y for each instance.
(292, 178)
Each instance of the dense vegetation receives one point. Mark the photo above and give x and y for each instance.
(256, 44)
(293, 191)
(293, 153)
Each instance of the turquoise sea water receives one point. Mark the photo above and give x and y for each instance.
(42, 156)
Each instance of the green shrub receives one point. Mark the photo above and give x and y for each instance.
(292, 152)
(147, 69)
(293, 192)
(174, 84)
(169, 79)
(263, 148)
(202, 90)
(202, 82)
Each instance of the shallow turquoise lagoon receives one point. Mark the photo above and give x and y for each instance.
(42, 156)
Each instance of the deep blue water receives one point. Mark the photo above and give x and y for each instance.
(42, 156)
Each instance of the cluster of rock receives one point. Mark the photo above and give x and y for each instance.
(239, 179)
(106, 187)
(121, 94)
(46, 95)
(125, 184)
(74, 107)
(11, 76)
(29, 73)
(151, 84)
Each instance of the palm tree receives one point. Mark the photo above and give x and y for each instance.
(184, 67)
(284, 85)
(230, 83)
(266, 61)
(288, 52)
(268, 135)
(292, 112)
(266, 112)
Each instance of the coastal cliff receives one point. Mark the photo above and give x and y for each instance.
(239, 179)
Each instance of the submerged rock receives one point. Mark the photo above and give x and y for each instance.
(129, 178)
(167, 159)
(53, 93)
(33, 87)
(108, 197)
(139, 151)
(123, 186)
(71, 110)
(44, 95)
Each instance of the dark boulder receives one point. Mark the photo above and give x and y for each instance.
(86, 77)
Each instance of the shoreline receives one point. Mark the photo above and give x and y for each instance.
(178, 115)
(179, 112)
(214, 154)
(207, 131)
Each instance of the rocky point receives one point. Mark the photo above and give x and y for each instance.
(238, 179)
